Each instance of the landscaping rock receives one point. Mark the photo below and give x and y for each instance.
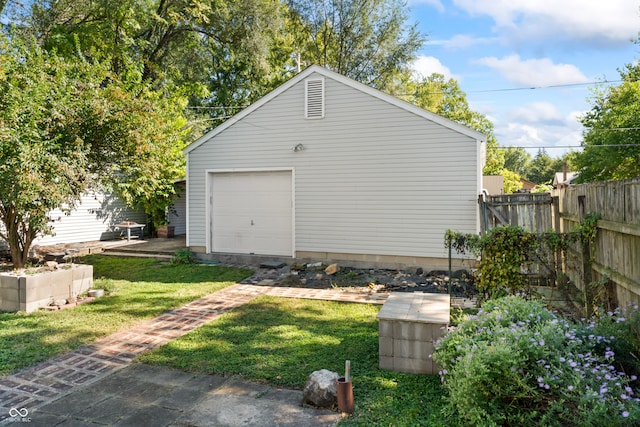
(321, 389)
(332, 269)
(55, 256)
(369, 280)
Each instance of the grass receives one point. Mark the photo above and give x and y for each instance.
(281, 341)
(273, 340)
(137, 289)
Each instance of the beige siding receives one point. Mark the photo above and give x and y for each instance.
(373, 178)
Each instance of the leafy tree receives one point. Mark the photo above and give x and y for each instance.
(157, 125)
(512, 181)
(517, 159)
(224, 53)
(366, 40)
(65, 125)
(611, 150)
(542, 168)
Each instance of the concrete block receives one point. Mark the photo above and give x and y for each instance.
(412, 349)
(413, 366)
(386, 362)
(385, 346)
(385, 328)
(438, 331)
(30, 292)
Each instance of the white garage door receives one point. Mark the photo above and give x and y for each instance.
(252, 212)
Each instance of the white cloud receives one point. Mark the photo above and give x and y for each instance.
(534, 72)
(424, 66)
(538, 125)
(464, 41)
(603, 22)
(538, 112)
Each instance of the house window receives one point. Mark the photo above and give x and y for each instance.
(314, 99)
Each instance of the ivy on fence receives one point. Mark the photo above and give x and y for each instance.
(507, 252)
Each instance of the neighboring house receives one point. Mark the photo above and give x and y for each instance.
(326, 168)
(178, 212)
(564, 179)
(493, 184)
(92, 219)
(527, 185)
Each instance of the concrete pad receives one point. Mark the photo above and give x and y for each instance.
(235, 410)
(142, 395)
(150, 416)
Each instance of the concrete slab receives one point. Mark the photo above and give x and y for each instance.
(142, 395)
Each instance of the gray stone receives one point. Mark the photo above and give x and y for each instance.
(274, 265)
(321, 389)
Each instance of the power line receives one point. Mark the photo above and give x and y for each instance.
(546, 87)
(569, 146)
(513, 89)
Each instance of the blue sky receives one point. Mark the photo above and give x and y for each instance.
(493, 48)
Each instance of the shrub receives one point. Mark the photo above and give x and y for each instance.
(183, 256)
(517, 363)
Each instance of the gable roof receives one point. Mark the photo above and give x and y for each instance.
(348, 82)
(559, 178)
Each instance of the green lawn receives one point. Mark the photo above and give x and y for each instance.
(138, 289)
(275, 340)
(281, 341)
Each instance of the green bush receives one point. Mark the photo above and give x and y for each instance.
(183, 256)
(624, 324)
(516, 363)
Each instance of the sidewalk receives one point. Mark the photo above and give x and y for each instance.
(98, 385)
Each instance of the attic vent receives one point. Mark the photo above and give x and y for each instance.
(314, 99)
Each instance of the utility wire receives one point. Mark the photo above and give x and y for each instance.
(569, 146)
(546, 87)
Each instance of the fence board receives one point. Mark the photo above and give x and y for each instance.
(617, 245)
(529, 211)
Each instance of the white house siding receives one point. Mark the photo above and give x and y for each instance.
(178, 213)
(373, 178)
(93, 219)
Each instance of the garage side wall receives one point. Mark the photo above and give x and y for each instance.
(372, 178)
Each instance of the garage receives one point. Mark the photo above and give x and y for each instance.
(252, 212)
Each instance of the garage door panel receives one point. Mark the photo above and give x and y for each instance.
(252, 212)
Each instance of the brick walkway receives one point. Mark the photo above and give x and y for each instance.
(47, 381)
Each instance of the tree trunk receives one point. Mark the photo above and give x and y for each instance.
(19, 237)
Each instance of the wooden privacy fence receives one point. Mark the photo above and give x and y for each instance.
(530, 211)
(615, 255)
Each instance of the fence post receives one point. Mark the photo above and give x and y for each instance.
(484, 220)
(555, 212)
(587, 275)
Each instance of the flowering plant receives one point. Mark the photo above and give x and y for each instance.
(517, 363)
